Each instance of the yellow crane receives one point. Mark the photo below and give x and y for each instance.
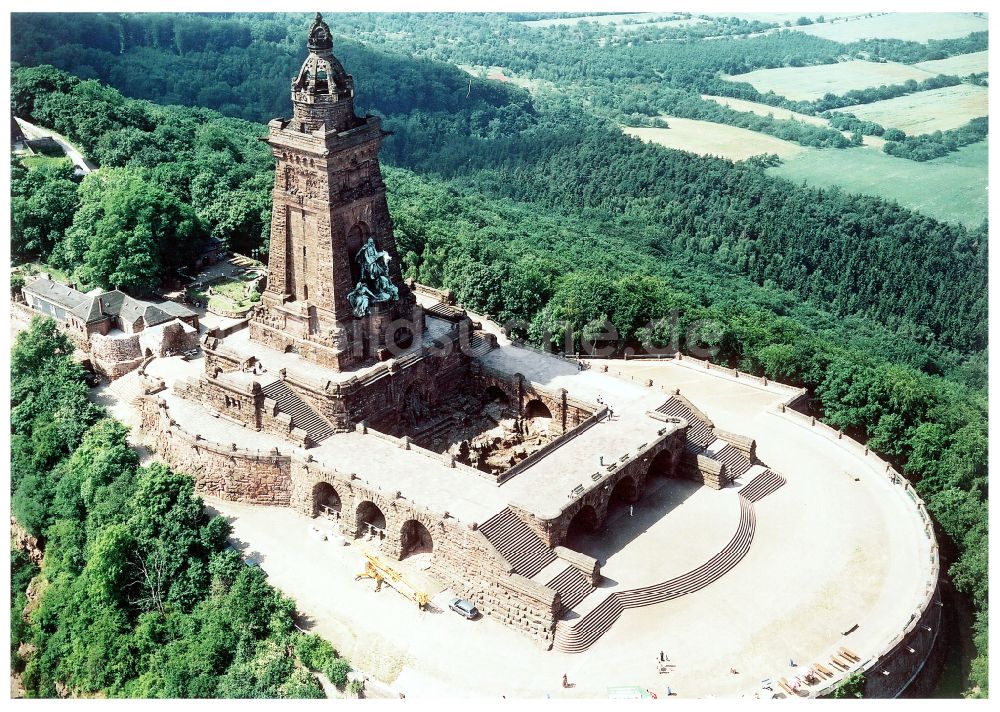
(375, 569)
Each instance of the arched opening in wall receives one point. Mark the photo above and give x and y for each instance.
(495, 394)
(626, 491)
(414, 538)
(326, 501)
(583, 522)
(663, 465)
(414, 406)
(537, 417)
(356, 238)
(371, 521)
(496, 404)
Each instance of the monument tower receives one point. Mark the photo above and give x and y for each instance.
(335, 293)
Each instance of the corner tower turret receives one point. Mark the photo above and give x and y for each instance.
(335, 294)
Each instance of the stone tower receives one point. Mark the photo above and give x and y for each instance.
(335, 294)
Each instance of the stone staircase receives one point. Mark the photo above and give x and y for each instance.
(478, 346)
(736, 462)
(699, 431)
(516, 543)
(127, 388)
(572, 586)
(588, 629)
(702, 440)
(302, 415)
(762, 485)
(435, 430)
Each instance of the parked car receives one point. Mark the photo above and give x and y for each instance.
(463, 608)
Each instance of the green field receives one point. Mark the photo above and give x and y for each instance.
(708, 138)
(911, 26)
(952, 188)
(927, 111)
(616, 18)
(809, 83)
(960, 65)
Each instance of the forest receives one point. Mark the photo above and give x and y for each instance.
(538, 212)
(138, 593)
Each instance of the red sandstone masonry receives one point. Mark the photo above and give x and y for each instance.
(463, 558)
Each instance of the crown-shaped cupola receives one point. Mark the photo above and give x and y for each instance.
(322, 93)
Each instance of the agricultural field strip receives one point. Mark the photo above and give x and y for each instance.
(960, 65)
(708, 138)
(911, 26)
(927, 111)
(951, 188)
(815, 81)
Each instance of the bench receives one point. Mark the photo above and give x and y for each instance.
(786, 687)
(822, 670)
(849, 654)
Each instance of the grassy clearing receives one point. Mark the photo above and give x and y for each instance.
(765, 110)
(927, 111)
(228, 295)
(38, 161)
(501, 74)
(661, 23)
(711, 139)
(780, 18)
(960, 65)
(912, 26)
(601, 19)
(952, 188)
(808, 83)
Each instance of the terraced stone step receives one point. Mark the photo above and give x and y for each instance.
(478, 346)
(762, 485)
(302, 415)
(572, 586)
(579, 637)
(516, 543)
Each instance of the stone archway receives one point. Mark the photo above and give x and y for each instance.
(370, 520)
(663, 465)
(495, 394)
(583, 522)
(537, 417)
(626, 491)
(326, 501)
(414, 538)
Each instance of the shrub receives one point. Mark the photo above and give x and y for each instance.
(851, 686)
(315, 652)
(338, 671)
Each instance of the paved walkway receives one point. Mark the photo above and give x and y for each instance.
(32, 131)
(829, 553)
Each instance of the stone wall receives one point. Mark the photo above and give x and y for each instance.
(225, 471)
(377, 396)
(703, 469)
(567, 412)
(463, 558)
(624, 480)
(168, 339)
